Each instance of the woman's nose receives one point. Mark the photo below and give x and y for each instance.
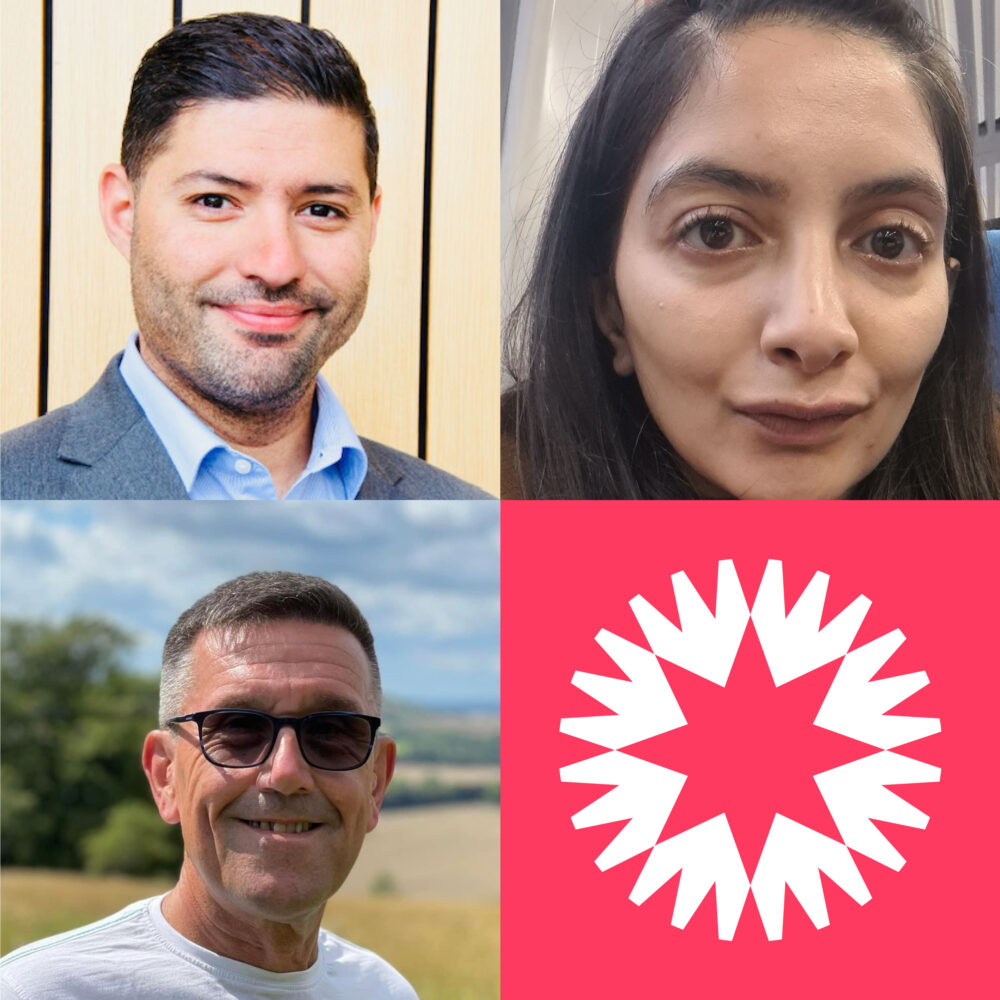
(808, 323)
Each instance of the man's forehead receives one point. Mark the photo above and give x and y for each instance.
(281, 654)
(289, 128)
(285, 641)
(250, 109)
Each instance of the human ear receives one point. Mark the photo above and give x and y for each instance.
(608, 314)
(953, 267)
(158, 763)
(384, 755)
(117, 203)
(376, 211)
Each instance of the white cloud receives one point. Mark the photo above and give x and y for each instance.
(424, 573)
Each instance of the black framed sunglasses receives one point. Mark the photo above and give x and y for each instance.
(243, 737)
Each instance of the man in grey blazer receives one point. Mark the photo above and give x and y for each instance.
(246, 204)
(102, 447)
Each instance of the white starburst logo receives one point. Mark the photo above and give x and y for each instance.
(645, 793)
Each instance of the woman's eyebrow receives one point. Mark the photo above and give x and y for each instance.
(918, 183)
(702, 171)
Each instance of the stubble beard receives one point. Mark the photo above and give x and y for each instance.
(243, 381)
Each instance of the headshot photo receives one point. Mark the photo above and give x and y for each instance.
(749, 260)
(296, 794)
(242, 251)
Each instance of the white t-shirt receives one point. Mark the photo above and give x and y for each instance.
(136, 954)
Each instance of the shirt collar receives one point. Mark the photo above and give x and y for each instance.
(188, 439)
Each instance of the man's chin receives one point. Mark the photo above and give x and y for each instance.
(255, 407)
(282, 897)
(255, 397)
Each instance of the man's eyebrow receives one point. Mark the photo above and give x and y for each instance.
(224, 180)
(321, 703)
(334, 189)
(221, 179)
(919, 183)
(334, 703)
(702, 171)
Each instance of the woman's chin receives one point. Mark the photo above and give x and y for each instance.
(770, 485)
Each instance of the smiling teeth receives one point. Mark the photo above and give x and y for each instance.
(280, 827)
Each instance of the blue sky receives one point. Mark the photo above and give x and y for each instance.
(425, 573)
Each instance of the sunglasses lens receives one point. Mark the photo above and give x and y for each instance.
(235, 739)
(336, 742)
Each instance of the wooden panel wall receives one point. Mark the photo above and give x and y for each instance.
(191, 9)
(20, 208)
(96, 46)
(464, 303)
(378, 371)
(421, 371)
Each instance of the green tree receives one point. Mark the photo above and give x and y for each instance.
(133, 841)
(71, 729)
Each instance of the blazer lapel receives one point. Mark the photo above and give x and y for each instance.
(384, 475)
(115, 450)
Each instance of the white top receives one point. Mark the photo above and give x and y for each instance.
(136, 954)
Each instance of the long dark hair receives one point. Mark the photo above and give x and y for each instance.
(582, 431)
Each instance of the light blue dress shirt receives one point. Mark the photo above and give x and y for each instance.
(211, 470)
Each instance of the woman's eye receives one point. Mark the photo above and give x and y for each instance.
(892, 243)
(716, 232)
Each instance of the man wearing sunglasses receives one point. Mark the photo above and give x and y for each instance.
(268, 755)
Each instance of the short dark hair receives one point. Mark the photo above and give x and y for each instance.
(583, 432)
(240, 57)
(252, 600)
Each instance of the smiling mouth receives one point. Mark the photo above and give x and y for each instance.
(266, 319)
(293, 827)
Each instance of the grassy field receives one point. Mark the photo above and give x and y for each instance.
(435, 914)
(449, 852)
(448, 774)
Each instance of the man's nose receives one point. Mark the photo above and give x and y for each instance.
(808, 324)
(286, 770)
(271, 250)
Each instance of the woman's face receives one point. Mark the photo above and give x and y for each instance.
(781, 280)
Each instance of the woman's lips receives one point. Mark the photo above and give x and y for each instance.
(266, 319)
(793, 424)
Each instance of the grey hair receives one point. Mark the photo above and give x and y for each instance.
(258, 599)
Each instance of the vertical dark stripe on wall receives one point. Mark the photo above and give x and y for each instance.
(304, 16)
(46, 220)
(425, 272)
(178, 13)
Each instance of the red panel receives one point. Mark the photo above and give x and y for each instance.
(750, 749)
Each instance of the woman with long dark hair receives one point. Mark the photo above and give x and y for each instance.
(762, 271)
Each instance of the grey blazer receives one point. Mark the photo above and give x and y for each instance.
(102, 447)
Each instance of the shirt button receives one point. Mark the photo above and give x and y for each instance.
(242, 466)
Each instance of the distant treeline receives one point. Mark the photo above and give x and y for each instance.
(442, 738)
(71, 730)
(454, 747)
(72, 724)
(431, 792)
